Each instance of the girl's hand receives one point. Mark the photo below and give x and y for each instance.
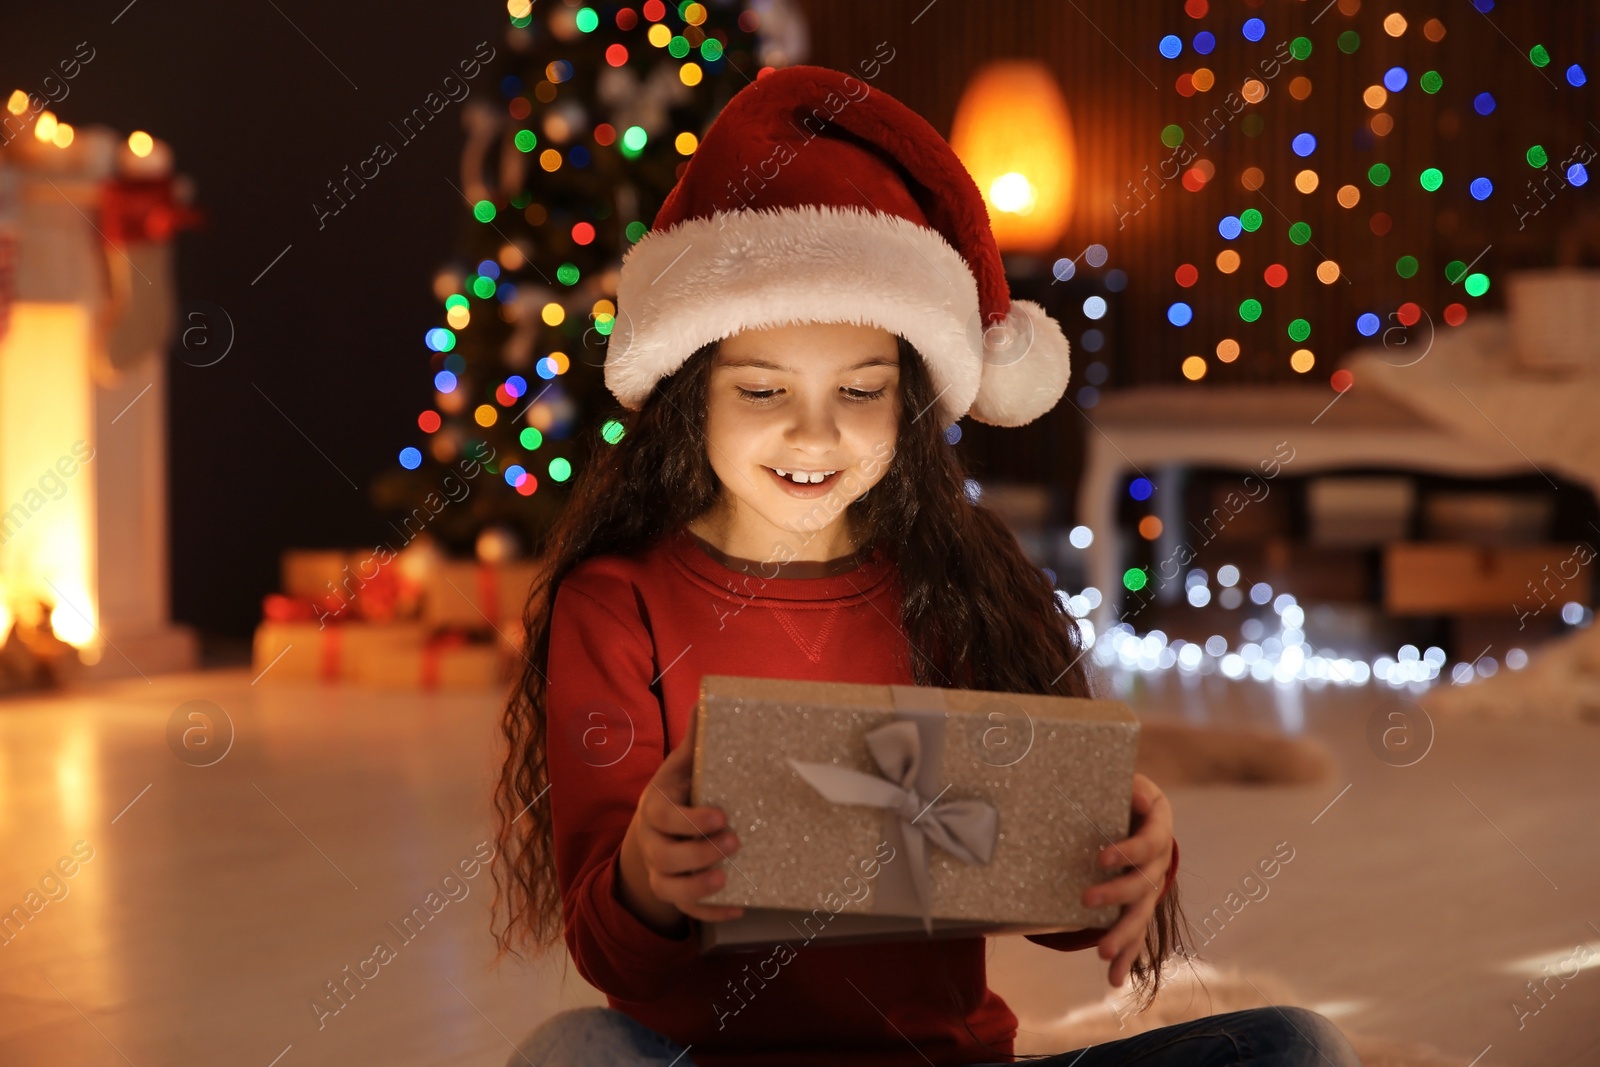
(670, 847)
(1149, 851)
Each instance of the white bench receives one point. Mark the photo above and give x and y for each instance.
(1160, 431)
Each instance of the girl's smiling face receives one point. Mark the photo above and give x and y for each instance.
(818, 401)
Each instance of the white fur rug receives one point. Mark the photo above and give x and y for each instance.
(1175, 754)
(1193, 991)
(1560, 682)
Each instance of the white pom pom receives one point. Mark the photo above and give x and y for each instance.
(1025, 367)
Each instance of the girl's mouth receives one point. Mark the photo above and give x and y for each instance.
(807, 489)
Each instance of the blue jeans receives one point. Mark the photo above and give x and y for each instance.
(1262, 1037)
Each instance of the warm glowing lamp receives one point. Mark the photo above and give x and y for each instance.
(1014, 135)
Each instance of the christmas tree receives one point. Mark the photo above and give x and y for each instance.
(592, 114)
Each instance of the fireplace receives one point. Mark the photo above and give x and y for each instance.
(86, 316)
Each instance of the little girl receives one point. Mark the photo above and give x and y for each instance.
(819, 298)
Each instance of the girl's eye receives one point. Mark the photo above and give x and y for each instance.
(763, 396)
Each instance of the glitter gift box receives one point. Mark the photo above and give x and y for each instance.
(879, 812)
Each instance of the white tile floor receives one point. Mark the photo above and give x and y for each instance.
(219, 900)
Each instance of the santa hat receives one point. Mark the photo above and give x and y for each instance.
(814, 197)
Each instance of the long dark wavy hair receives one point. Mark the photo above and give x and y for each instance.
(976, 612)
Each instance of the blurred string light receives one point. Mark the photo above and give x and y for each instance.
(1303, 144)
(1274, 650)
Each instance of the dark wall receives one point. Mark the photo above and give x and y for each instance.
(260, 118)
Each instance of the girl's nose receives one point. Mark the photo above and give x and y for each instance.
(815, 426)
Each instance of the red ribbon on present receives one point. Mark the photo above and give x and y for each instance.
(275, 607)
(133, 210)
(489, 592)
(330, 647)
(436, 646)
(378, 598)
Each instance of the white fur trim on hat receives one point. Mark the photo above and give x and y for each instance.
(709, 278)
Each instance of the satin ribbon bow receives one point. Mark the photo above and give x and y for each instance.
(966, 829)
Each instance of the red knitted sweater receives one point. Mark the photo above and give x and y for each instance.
(637, 633)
